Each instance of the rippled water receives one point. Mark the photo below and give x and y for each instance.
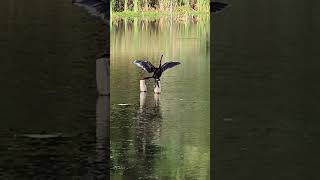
(48, 95)
(164, 136)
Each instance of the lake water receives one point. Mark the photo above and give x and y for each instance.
(165, 136)
(264, 124)
(265, 119)
(48, 91)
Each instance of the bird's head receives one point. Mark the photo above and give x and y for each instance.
(161, 58)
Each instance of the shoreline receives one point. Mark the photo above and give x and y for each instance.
(131, 14)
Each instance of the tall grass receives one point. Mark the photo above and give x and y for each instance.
(160, 7)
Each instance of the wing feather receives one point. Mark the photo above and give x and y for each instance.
(169, 64)
(145, 65)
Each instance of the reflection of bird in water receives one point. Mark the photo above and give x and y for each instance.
(217, 6)
(157, 72)
(148, 125)
(95, 7)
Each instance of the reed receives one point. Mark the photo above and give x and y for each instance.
(136, 8)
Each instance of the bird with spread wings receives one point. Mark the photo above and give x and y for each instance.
(157, 71)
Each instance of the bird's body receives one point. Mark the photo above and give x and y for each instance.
(157, 71)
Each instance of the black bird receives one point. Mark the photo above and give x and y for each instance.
(217, 6)
(157, 72)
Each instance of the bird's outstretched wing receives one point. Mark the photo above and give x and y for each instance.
(169, 64)
(217, 6)
(145, 65)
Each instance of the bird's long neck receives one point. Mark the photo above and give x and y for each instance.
(160, 61)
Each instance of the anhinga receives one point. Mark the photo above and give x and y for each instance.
(157, 71)
(216, 6)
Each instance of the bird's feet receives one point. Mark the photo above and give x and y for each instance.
(157, 83)
(157, 88)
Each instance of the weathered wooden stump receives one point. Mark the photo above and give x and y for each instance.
(143, 86)
(102, 76)
(142, 99)
(157, 89)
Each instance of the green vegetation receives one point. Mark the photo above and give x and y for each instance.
(155, 8)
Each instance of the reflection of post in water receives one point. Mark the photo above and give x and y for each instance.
(102, 137)
(102, 117)
(157, 99)
(148, 127)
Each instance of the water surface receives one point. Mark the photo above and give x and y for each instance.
(265, 93)
(48, 95)
(164, 136)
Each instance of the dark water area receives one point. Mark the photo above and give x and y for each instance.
(265, 90)
(51, 119)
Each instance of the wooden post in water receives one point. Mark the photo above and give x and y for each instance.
(157, 89)
(143, 87)
(102, 76)
(142, 99)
